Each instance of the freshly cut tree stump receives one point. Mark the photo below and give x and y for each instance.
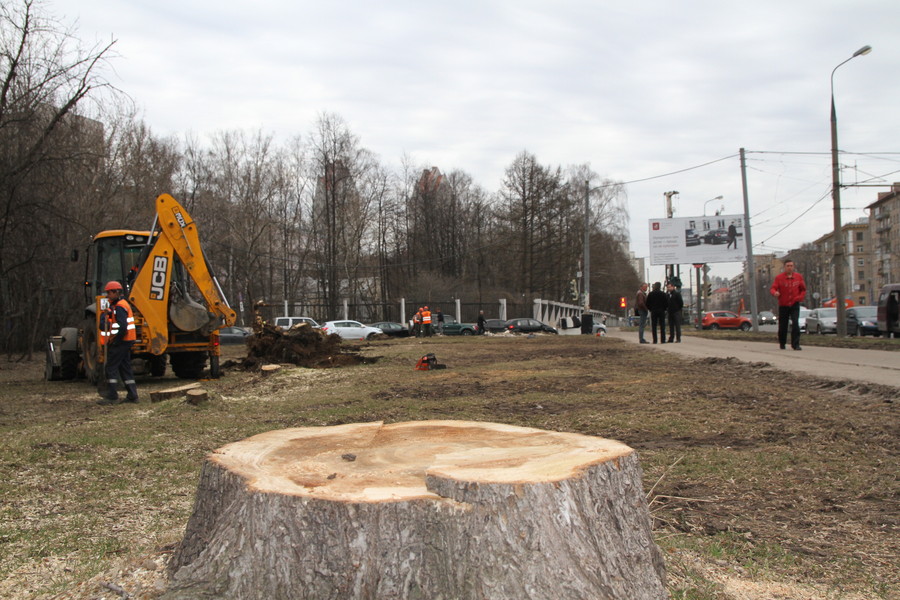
(420, 510)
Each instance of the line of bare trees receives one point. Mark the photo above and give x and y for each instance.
(315, 220)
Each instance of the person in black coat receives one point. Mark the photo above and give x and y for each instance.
(657, 304)
(676, 305)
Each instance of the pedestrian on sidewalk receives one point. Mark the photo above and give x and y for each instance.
(658, 304)
(676, 305)
(640, 305)
(790, 289)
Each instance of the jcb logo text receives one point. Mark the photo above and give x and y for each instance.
(158, 280)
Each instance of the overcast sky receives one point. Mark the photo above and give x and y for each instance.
(639, 91)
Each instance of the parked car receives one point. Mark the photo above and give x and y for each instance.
(767, 317)
(524, 325)
(863, 320)
(598, 329)
(234, 335)
(350, 330)
(288, 322)
(454, 327)
(495, 325)
(822, 320)
(691, 238)
(391, 328)
(725, 319)
(801, 319)
(715, 236)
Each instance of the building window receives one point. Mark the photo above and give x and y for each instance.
(860, 249)
(860, 262)
(859, 236)
(861, 275)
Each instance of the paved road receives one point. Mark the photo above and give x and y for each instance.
(870, 366)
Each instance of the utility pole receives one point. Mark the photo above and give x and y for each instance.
(670, 269)
(587, 246)
(751, 265)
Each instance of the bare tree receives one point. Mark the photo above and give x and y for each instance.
(45, 76)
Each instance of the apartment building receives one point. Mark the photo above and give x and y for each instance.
(884, 232)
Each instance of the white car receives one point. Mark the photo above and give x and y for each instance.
(350, 330)
(288, 322)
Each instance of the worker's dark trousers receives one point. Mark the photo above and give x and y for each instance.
(118, 363)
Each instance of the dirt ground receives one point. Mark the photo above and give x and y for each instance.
(762, 484)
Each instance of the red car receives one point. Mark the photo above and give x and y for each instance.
(725, 319)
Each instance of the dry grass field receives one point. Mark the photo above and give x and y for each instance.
(761, 484)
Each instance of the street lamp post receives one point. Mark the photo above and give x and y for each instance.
(708, 201)
(837, 237)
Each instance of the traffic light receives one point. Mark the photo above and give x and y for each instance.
(622, 302)
(573, 289)
(707, 290)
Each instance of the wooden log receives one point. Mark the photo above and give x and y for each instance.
(197, 396)
(160, 395)
(429, 509)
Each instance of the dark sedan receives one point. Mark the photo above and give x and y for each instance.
(715, 236)
(391, 328)
(495, 326)
(233, 335)
(863, 320)
(528, 326)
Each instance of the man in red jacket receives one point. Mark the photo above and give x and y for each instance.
(790, 289)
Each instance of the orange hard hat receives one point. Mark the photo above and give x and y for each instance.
(112, 285)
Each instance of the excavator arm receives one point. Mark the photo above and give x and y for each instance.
(153, 292)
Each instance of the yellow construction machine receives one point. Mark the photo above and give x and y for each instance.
(177, 302)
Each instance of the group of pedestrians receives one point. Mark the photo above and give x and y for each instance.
(789, 289)
(660, 306)
(423, 322)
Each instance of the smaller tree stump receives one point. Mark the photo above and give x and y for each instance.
(197, 396)
(420, 510)
(269, 369)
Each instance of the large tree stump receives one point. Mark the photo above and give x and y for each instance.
(420, 510)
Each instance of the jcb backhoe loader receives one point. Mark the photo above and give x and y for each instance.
(160, 270)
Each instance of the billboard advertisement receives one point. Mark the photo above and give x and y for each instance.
(681, 240)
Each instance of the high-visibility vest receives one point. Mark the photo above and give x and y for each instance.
(111, 330)
(426, 317)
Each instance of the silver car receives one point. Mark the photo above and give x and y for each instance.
(822, 320)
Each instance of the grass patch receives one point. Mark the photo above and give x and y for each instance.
(753, 472)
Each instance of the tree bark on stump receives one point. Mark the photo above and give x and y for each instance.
(420, 510)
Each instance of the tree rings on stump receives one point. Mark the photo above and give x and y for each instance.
(420, 510)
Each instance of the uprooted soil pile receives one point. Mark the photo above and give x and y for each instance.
(300, 345)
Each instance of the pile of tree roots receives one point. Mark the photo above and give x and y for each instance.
(300, 345)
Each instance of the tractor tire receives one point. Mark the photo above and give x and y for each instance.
(188, 365)
(215, 371)
(68, 369)
(158, 365)
(51, 373)
(91, 349)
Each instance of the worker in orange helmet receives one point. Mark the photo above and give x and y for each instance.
(118, 333)
(426, 321)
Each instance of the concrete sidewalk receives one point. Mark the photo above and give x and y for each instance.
(868, 366)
